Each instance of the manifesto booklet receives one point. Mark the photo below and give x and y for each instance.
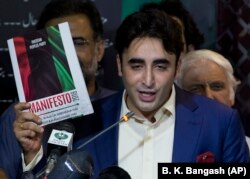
(48, 74)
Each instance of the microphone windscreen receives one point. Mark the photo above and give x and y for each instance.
(73, 165)
(66, 126)
(28, 175)
(61, 138)
(114, 172)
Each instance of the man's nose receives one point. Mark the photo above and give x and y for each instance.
(149, 77)
(209, 92)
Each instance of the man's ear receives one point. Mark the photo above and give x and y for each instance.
(119, 65)
(100, 47)
(177, 71)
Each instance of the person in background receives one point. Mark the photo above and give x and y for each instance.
(208, 73)
(169, 124)
(87, 32)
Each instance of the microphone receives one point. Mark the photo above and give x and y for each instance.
(124, 118)
(75, 164)
(114, 172)
(27, 175)
(60, 141)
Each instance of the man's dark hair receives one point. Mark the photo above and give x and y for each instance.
(153, 24)
(175, 8)
(62, 8)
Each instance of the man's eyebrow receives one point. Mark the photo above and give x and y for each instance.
(135, 60)
(161, 60)
(156, 61)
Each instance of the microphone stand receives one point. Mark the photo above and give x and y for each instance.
(124, 118)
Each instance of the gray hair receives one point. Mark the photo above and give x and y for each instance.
(190, 59)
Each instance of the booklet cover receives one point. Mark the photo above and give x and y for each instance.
(48, 74)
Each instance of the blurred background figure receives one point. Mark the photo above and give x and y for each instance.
(208, 73)
(87, 32)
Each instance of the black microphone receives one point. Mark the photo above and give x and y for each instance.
(114, 172)
(75, 164)
(124, 118)
(60, 141)
(27, 175)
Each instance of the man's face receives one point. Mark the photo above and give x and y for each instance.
(148, 73)
(89, 51)
(208, 79)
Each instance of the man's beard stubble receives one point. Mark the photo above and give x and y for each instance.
(88, 74)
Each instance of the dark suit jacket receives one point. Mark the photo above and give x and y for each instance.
(202, 125)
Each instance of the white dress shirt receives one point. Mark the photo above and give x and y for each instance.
(142, 144)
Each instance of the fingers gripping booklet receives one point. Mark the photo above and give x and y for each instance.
(48, 74)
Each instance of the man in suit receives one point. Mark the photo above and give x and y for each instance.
(208, 73)
(169, 125)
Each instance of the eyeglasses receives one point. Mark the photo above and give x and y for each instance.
(80, 41)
